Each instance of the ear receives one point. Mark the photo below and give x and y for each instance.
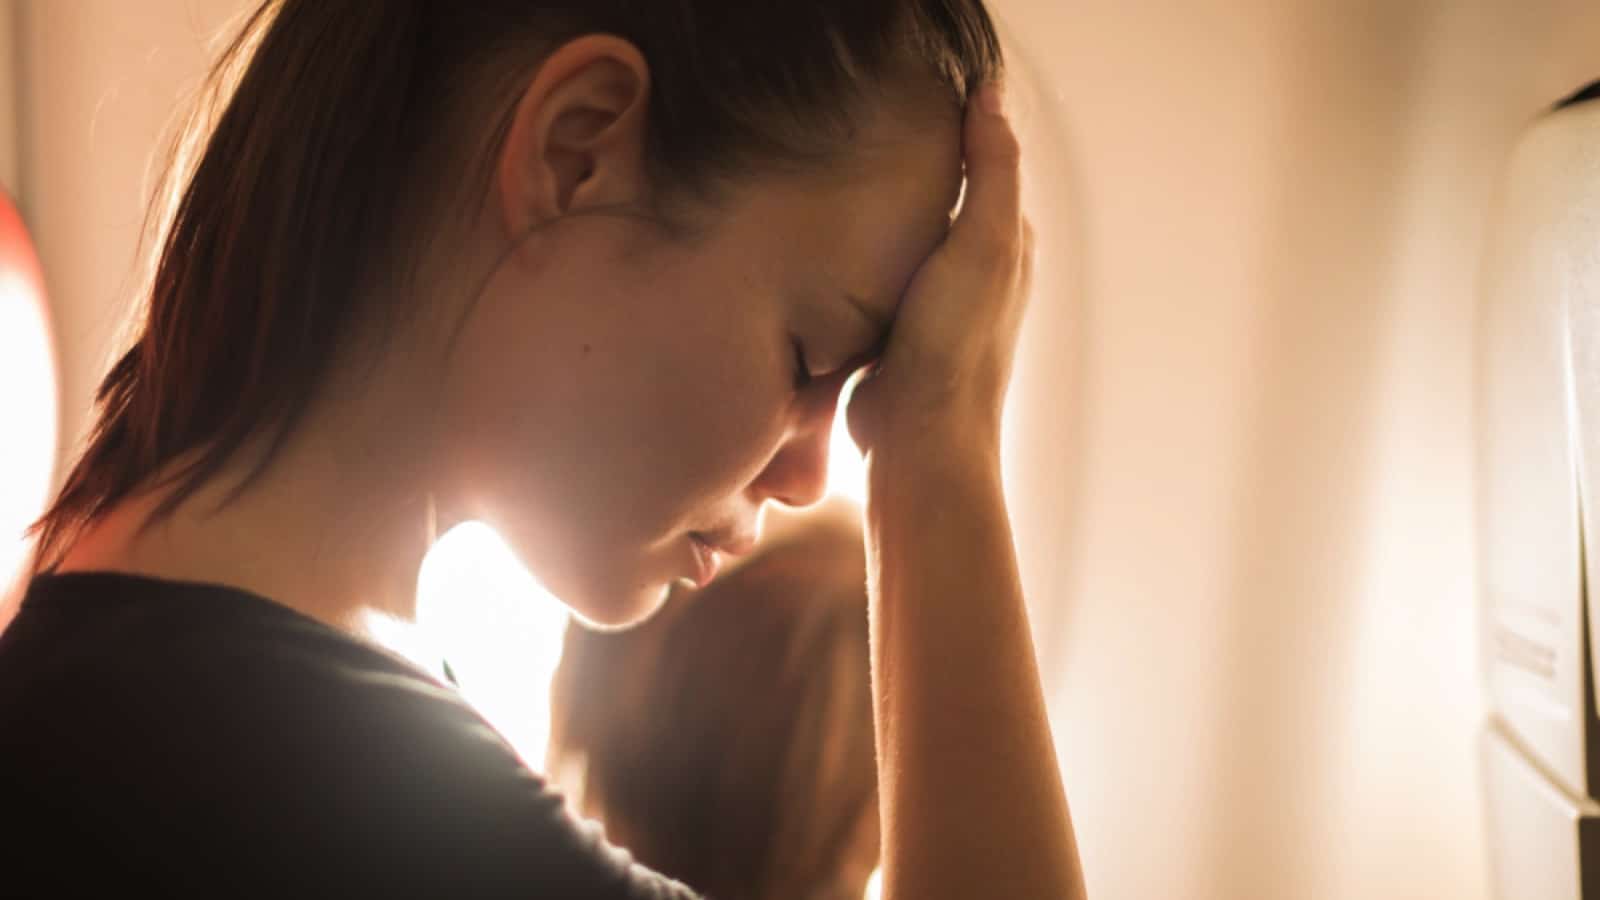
(577, 137)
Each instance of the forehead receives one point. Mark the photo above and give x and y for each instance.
(866, 227)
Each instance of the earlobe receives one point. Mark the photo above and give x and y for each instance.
(577, 136)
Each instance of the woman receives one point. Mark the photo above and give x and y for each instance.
(592, 271)
(728, 742)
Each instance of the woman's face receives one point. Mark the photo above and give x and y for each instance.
(620, 403)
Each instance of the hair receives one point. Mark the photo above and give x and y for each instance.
(728, 742)
(311, 167)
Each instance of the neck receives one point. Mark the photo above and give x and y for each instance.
(335, 528)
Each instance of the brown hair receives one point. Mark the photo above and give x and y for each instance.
(728, 742)
(328, 124)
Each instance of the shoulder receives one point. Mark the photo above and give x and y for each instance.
(247, 744)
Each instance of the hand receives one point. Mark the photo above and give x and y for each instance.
(947, 363)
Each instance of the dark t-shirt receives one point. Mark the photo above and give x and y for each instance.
(201, 741)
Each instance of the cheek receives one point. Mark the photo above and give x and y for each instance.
(709, 396)
(709, 370)
(593, 415)
(633, 407)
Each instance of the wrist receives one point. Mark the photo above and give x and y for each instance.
(908, 430)
(936, 450)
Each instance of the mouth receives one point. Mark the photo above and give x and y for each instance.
(710, 550)
(708, 560)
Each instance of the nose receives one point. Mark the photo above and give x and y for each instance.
(797, 475)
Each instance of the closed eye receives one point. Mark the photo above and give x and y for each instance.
(802, 371)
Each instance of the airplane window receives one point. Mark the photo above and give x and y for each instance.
(27, 394)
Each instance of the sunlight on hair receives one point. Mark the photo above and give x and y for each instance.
(27, 419)
(847, 471)
(499, 630)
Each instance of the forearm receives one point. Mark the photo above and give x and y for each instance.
(972, 799)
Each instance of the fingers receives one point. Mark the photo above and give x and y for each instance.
(990, 215)
(948, 358)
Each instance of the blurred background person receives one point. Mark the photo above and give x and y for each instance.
(728, 741)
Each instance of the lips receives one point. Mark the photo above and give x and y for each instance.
(708, 560)
(709, 550)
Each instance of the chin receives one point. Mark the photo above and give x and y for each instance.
(614, 609)
(607, 591)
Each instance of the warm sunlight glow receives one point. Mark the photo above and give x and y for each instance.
(500, 631)
(847, 471)
(497, 627)
(875, 886)
(27, 417)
